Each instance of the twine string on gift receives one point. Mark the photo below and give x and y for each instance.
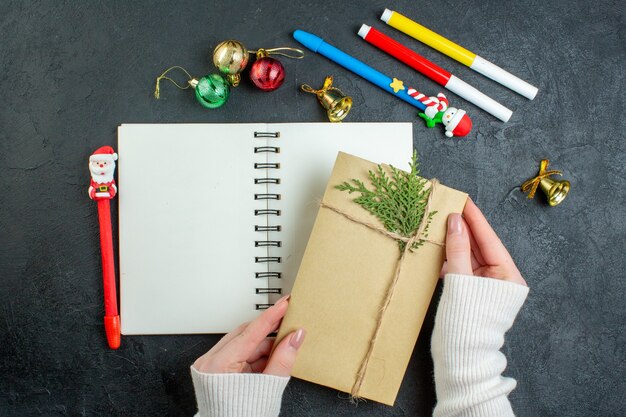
(418, 235)
(378, 229)
(533, 183)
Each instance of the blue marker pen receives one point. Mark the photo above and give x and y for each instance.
(436, 110)
(318, 45)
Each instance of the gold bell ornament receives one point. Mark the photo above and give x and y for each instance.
(555, 190)
(336, 103)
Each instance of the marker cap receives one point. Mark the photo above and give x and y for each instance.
(308, 39)
(503, 77)
(386, 15)
(364, 31)
(471, 94)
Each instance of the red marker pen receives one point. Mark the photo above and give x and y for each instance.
(434, 72)
(102, 189)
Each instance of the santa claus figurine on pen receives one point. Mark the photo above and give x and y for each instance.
(102, 167)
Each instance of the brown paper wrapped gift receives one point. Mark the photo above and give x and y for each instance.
(361, 300)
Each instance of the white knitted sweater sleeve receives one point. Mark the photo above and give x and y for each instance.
(473, 315)
(238, 395)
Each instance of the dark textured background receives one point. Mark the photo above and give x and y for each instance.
(72, 71)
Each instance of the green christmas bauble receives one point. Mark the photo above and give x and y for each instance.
(212, 91)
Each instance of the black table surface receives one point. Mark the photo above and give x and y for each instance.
(71, 72)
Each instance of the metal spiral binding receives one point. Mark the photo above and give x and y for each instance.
(263, 243)
(267, 196)
(263, 212)
(262, 259)
(269, 290)
(260, 149)
(265, 165)
(266, 134)
(267, 274)
(267, 180)
(258, 228)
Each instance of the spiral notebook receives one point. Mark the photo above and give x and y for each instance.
(214, 218)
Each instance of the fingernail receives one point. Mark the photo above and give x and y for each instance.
(297, 338)
(283, 299)
(455, 225)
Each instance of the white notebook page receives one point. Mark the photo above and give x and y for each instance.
(186, 213)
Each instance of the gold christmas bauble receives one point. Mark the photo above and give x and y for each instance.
(230, 57)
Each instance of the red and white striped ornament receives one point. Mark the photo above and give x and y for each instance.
(433, 104)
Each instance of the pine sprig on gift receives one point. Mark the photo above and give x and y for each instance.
(399, 200)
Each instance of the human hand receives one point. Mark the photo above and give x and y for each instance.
(247, 348)
(473, 248)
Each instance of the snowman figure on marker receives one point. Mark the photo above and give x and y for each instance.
(456, 121)
(102, 167)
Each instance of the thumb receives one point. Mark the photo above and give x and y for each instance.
(458, 250)
(284, 356)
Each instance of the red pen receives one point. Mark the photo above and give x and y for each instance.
(102, 189)
(434, 72)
